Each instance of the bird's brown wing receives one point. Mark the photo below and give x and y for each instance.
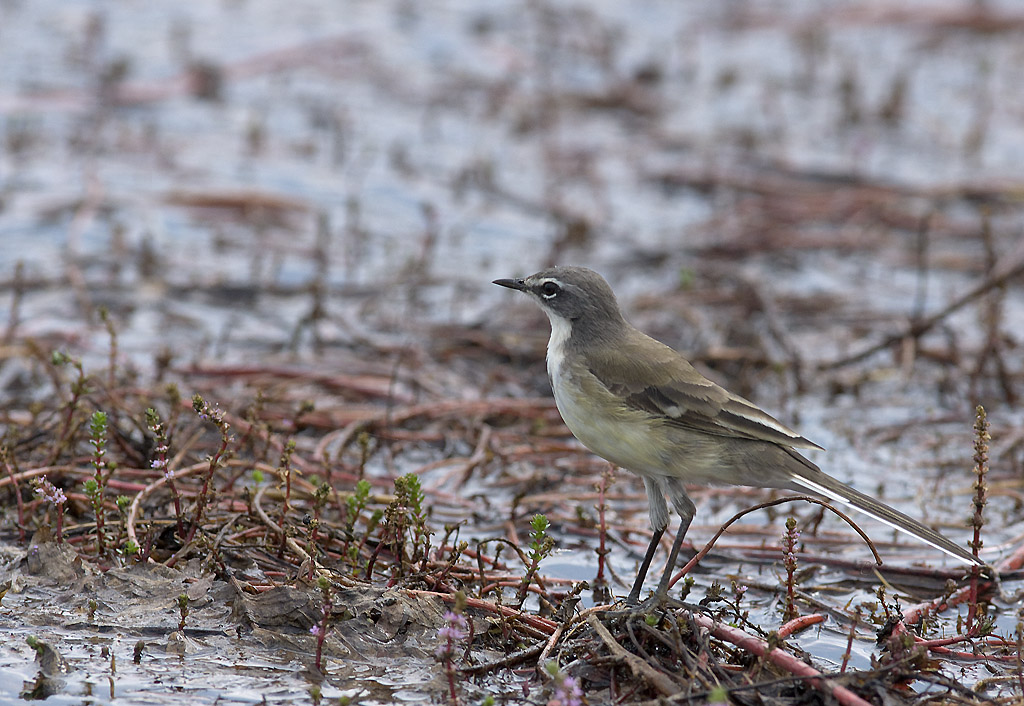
(650, 376)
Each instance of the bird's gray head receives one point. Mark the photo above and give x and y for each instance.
(575, 294)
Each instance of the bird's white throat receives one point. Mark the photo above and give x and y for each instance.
(561, 329)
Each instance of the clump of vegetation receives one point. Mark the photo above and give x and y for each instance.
(541, 545)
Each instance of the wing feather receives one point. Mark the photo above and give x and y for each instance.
(649, 376)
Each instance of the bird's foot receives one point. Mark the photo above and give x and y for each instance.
(657, 601)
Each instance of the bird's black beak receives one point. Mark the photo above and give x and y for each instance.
(512, 284)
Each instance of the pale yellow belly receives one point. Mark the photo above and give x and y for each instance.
(614, 432)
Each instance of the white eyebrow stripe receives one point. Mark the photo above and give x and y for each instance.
(552, 280)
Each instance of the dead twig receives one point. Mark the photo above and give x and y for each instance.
(662, 682)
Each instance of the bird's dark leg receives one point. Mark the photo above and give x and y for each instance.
(634, 594)
(670, 567)
(686, 510)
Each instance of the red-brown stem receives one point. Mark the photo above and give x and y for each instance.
(536, 626)
(800, 623)
(319, 649)
(373, 557)
(204, 492)
(524, 585)
(449, 668)
(849, 644)
(972, 601)
(784, 660)
(177, 507)
(322, 633)
(159, 429)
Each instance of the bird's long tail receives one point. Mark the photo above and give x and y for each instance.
(812, 479)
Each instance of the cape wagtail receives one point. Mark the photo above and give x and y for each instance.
(640, 405)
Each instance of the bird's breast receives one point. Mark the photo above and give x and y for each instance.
(624, 436)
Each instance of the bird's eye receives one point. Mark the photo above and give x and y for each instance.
(550, 289)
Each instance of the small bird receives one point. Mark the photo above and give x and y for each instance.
(640, 405)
